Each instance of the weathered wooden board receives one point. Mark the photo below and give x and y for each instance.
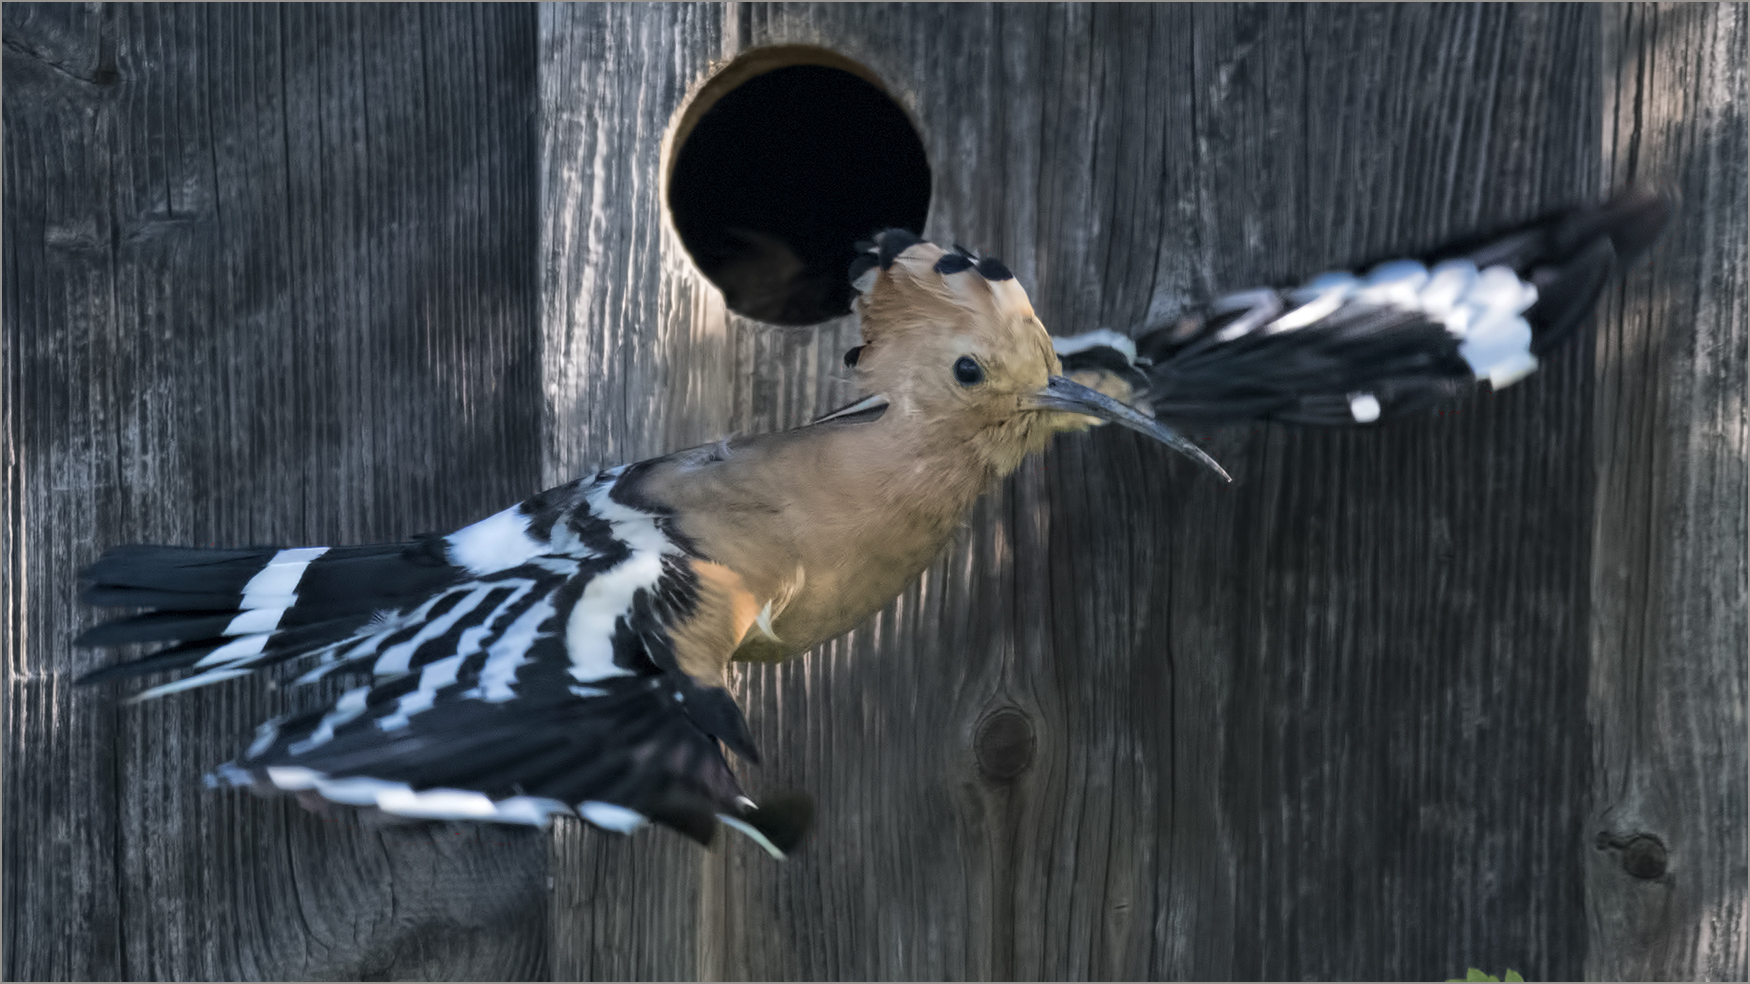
(1666, 874)
(268, 278)
(1331, 722)
(1300, 727)
(338, 274)
(634, 362)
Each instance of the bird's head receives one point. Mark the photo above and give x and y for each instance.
(950, 341)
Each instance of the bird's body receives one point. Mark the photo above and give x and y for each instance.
(567, 655)
(823, 555)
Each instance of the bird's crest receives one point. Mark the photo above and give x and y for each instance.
(904, 283)
(924, 308)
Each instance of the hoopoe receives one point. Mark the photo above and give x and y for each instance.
(568, 655)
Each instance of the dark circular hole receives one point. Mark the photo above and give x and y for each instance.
(1004, 744)
(1645, 857)
(776, 180)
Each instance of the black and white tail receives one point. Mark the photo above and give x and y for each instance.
(230, 612)
(521, 667)
(1401, 337)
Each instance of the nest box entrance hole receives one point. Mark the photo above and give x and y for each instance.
(783, 161)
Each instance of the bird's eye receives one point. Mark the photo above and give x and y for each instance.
(852, 356)
(967, 371)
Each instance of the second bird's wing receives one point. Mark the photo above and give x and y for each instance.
(525, 666)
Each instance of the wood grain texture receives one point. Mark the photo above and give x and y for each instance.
(1326, 723)
(634, 365)
(1666, 877)
(268, 278)
(1331, 722)
(337, 274)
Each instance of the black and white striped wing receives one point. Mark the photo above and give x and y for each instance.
(1346, 348)
(519, 668)
(1357, 347)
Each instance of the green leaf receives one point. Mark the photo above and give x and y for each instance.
(1513, 975)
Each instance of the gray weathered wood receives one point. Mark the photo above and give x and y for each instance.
(268, 278)
(1665, 878)
(347, 273)
(1331, 722)
(1301, 727)
(634, 365)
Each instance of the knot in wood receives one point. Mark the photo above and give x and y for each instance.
(1644, 857)
(1004, 744)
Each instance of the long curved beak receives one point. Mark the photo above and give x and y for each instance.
(1063, 395)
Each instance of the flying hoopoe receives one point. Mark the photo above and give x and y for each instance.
(567, 655)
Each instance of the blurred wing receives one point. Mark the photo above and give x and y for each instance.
(522, 667)
(1353, 347)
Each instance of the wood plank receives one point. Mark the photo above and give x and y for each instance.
(1666, 871)
(270, 275)
(267, 279)
(634, 365)
(1336, 712)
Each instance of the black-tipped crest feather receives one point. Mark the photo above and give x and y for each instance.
(892, 242)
